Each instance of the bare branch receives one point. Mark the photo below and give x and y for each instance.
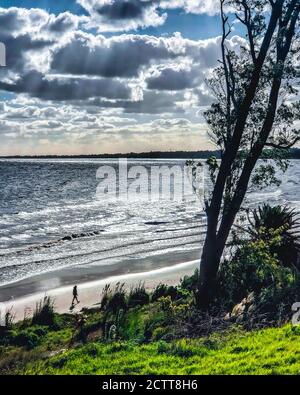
(226, 32)
(233, 81)
(247, 21)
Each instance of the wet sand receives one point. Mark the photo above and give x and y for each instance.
(22, 296)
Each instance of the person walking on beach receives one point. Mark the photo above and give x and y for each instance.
(75, 295)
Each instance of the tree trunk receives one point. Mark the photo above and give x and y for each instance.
(218, 227)
(208, 271)
(210, 261)
(212, 252)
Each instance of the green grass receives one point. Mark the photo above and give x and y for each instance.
(270, 351)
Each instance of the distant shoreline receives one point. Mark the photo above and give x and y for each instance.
(130, 155)
(294, 153)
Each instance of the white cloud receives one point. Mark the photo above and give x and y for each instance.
(210, 7)
(78, 91)
(125, 15)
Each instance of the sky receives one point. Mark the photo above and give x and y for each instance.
(106, 76)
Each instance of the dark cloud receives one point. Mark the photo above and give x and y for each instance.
(172, 80)
(123, 9)
(92, 69)
(125, 15)
(9, 21)
(151, 103)
(122, 56)
(18, 21)
(37, 85)
(25, 30)
(18, 47)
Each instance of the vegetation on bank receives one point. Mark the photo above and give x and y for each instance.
(246, 330)
(270, 351)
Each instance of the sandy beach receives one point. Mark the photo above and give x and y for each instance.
(90, 291)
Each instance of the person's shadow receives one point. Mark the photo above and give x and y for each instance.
(73, 305)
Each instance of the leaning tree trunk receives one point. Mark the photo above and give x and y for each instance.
(210, 262)
(208, 271)
(216, 238)
(209, 266)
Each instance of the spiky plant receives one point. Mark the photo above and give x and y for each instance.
(266, 222)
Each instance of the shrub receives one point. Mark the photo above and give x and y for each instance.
(282, 221)
(190, 283)
(9, 319)
(163, 291)
(106, 295)
(114, 300)
(273, 306)
(160, 333)
(265, 258)
(138, 296)
(44, 313)
(253, 268)
(29, 338)
(132, 325)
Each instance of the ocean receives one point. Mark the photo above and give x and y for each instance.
(52, 220)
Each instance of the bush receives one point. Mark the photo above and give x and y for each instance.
(163, 291)
(264, 258)
(266, 221)
(253, 268)
(132, 325)
(29, 338)
(44, 313)
(161, 333)
(8, 324)
(190, 283)
(114, 300)
(273, 306)
(138, 296)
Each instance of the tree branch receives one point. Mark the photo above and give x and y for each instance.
(256, 151)
(283, 146)
(247, 22)
(226, 32)
(232, 149)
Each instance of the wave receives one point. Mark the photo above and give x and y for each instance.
(127, 244)
(16, 273)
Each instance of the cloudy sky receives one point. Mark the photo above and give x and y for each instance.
(105, 76)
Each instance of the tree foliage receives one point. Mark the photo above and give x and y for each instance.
(254, 112)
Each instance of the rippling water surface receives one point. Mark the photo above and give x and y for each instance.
(50, 218)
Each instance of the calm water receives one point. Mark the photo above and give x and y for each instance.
(50, 219)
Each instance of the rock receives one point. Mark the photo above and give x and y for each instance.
(251, 298)
(246, 307)
(227, 317)
(67, 238)
(239, 310)
(251, 309)
(156, 223)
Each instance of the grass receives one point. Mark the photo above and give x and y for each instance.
(134, 334)
(265, 352)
